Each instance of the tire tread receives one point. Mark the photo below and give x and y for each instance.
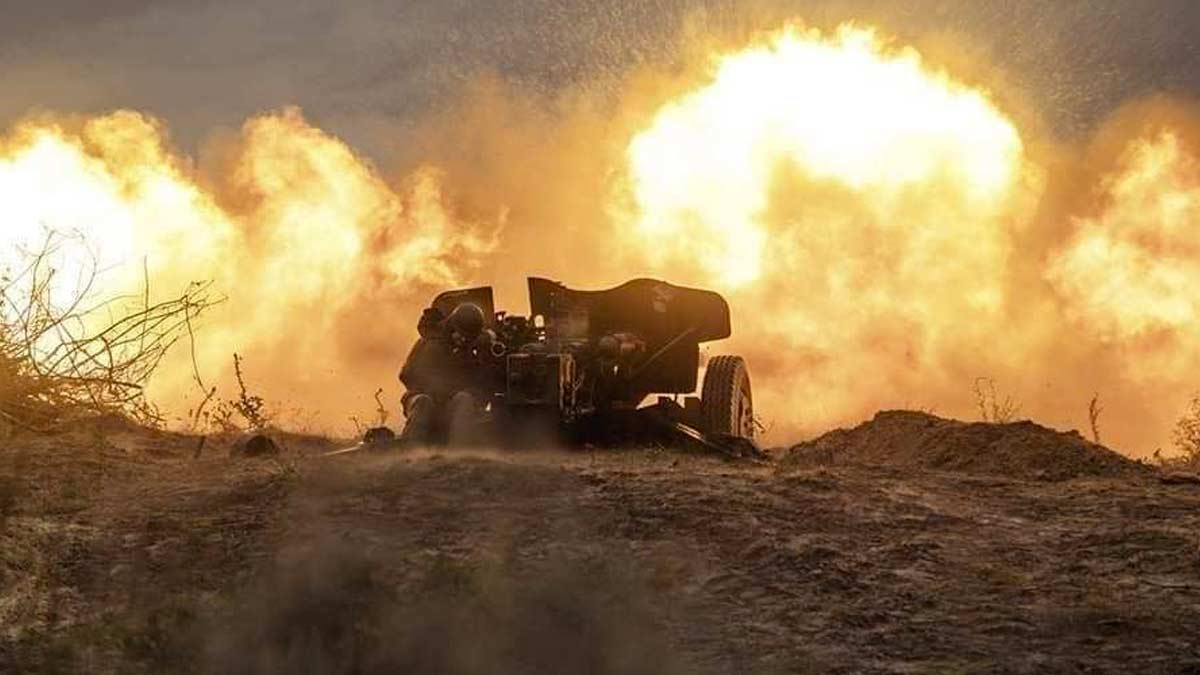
(722, 378)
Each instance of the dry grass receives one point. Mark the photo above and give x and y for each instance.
(992, 406)
(615, 563)
(223, 418)
(1187, 440)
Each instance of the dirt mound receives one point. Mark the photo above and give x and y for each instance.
(913, 439)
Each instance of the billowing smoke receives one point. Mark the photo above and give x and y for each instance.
(303, 238)
(886, 232)
(855, 205)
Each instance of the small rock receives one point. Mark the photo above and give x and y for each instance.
(258, 446)
(379, 437)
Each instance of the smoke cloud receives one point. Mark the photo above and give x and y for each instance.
(891, 220)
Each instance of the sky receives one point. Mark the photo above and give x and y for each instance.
(367, 69)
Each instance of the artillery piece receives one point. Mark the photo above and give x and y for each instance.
(583, 365)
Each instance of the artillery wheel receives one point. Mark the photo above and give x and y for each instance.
(726, 404)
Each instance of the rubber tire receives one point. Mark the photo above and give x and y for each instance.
(725, 381)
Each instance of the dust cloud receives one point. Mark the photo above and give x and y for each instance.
(326, 608)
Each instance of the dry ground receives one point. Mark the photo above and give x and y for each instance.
(119, 552)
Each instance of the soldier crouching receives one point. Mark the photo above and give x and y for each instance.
(443, 377)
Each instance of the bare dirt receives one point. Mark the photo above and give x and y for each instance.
(907, 439)
(120, 552)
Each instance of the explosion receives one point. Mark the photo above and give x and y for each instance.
(843, 111)
(1131, 272)
(111, 183)
(297, 231)
(856, 204)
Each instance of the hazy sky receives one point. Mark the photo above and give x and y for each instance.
(363, 66)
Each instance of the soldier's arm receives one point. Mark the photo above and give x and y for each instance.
(412, 374)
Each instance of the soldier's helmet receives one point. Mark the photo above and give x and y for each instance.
(465, 322)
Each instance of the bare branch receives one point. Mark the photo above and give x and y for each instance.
(61, 360)
(993, 408)
(1094, 411)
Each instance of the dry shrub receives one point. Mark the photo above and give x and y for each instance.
(1187, 436)
(251, 408)
(63, 361)
(1095, 409)
(992, 406)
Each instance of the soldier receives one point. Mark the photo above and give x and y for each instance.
(443, 376)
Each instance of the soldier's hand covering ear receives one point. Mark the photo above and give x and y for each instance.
(430, 324)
